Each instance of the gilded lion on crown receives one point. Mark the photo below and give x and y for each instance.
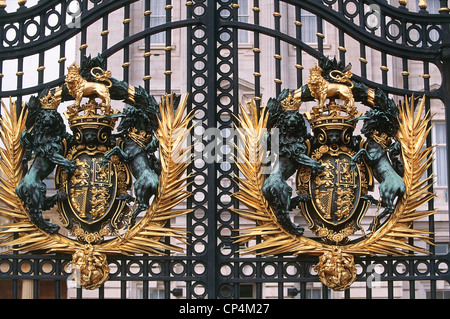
(321, 89)
(79, 87)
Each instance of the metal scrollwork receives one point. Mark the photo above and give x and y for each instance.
(335, 171)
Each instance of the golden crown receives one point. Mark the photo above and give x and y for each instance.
(315, 70)
(50, 101)
(73, 68)
(140, 137)
(332, 116)
(91, 114)
(290, 103)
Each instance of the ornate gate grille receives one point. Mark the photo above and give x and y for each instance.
(229, 50)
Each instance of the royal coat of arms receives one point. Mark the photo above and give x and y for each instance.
(339, 191)
(116, 185)
(336, 173)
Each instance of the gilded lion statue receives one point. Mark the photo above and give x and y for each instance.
(79, 87)
(321, 89)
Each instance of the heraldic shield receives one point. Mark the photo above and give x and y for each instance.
(339, 190)
(116, 186)
(96, 189)
(335, 209)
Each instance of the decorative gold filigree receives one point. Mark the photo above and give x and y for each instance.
(345, 180)
(344, 202)
(144, 238)
(50, 101)
(382, 139)
(89, 267)
(90, 114)
(141, 138)
(290, 103)
(90, 237)
(335, 237)
(390, 238)
(336, 269)
(122, 176)
(99, 201)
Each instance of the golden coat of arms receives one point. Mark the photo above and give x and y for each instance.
(339, 192)
(117, 185)
(336, 173)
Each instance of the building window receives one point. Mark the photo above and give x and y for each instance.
(243, 16)
(309, 27)
(156, 294)
(158, 17)
(440, 139)
(152, 293)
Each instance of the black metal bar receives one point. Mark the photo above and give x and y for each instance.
(342, 46)
(105, 33)
(257, 56)
(41, 71)
(83, 43)
(62, 59)
(123, 282)
(36, 289)
(235, 102)
(147, 53)
(101, 292)
(189, 87)
(405, 74)
(298, 51)
(320, 35)
(19, 75)
(444, 54)
(126, 48)
(277, 56)
(79, 293)
(212, 18)
(168, 48)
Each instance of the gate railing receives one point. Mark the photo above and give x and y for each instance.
(201, 54)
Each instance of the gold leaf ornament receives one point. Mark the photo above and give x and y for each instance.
(20, 234)
(391, 238)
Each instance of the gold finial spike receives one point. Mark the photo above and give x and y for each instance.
(423, 4)
(2, 4)
(403, 2)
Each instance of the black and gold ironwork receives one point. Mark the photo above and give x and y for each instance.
(230, 49)
(333, 182)
(95, 172)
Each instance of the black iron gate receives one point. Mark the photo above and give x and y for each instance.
(221, 43)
